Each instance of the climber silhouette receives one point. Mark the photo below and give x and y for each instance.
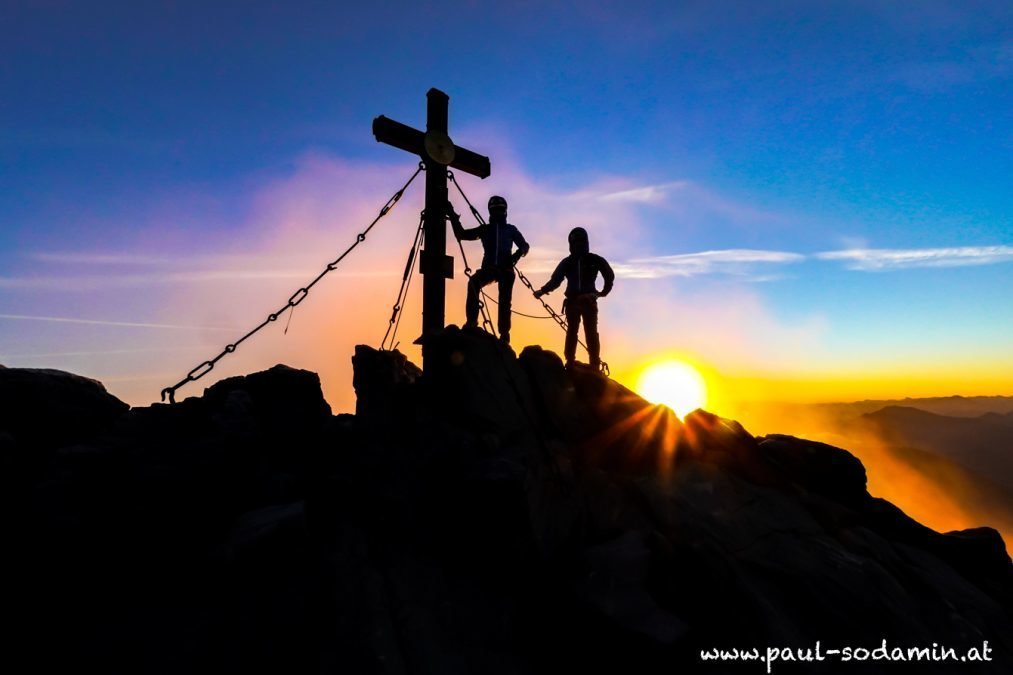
(581, 269)
(498, 239)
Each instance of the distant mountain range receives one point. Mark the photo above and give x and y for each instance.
(952, 406)
(983, 444)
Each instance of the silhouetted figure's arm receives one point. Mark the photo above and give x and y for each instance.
(459, 231)
(554, 281)
(522, 246)
(608, 275)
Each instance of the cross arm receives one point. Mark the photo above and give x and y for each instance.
(399, 135)
(412, 140)
(471, 162)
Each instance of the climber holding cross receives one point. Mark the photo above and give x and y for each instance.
(498, 239)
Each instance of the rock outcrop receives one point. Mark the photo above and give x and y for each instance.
(49, 408)
(499, 514)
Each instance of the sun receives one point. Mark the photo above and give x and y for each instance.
(675, 384)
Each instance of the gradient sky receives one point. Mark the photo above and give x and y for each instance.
(808, 200)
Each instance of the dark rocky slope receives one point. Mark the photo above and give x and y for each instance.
(500, 515)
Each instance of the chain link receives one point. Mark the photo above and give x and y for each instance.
(514, 311)
(296, 298)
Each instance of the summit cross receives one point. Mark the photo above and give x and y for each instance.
(437, 152)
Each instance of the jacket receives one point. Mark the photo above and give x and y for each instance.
(580, 269)
(580, 273)
(497, 242)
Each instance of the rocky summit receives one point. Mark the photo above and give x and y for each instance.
(499, 514)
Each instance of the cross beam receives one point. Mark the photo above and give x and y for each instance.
(436, 149)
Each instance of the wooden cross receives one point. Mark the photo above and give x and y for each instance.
(436, 149)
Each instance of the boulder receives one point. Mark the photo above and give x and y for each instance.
(45, 408)
(382, 381)
(474, 382)
(816, 467)
(280, 397)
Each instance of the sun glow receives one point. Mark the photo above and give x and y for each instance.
(675, 384)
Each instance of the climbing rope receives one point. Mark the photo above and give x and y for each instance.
(207, 366)
(552, 314)
(406, 282)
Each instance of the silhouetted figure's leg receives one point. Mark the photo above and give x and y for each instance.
(590, 312)
(506, 293)
(572, 311)
(478, 280)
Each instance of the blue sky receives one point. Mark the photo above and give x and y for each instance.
(815, 132)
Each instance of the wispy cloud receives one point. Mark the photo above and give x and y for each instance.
(646, 194)
(102, 352)
(739, 262)
(686, 199)
(101, 322)
(146, 259)
(877, 259)
(755, 265)
(85, 271)
(95, 282)
(101, 258)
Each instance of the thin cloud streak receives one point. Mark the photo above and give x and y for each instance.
(873, 260)
(682, 196)
(106, 352)
(98, 258)
(100, 282)
(739, 262)
(648, 194)
(146, 259)
(99, 322)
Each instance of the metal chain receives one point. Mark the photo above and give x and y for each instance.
(406, 282)
(514, 311)
(206, 367)
(552, 313)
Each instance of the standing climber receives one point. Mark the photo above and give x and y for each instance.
(581, 269)
(498, 259)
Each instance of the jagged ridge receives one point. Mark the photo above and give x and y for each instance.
(500, 514)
